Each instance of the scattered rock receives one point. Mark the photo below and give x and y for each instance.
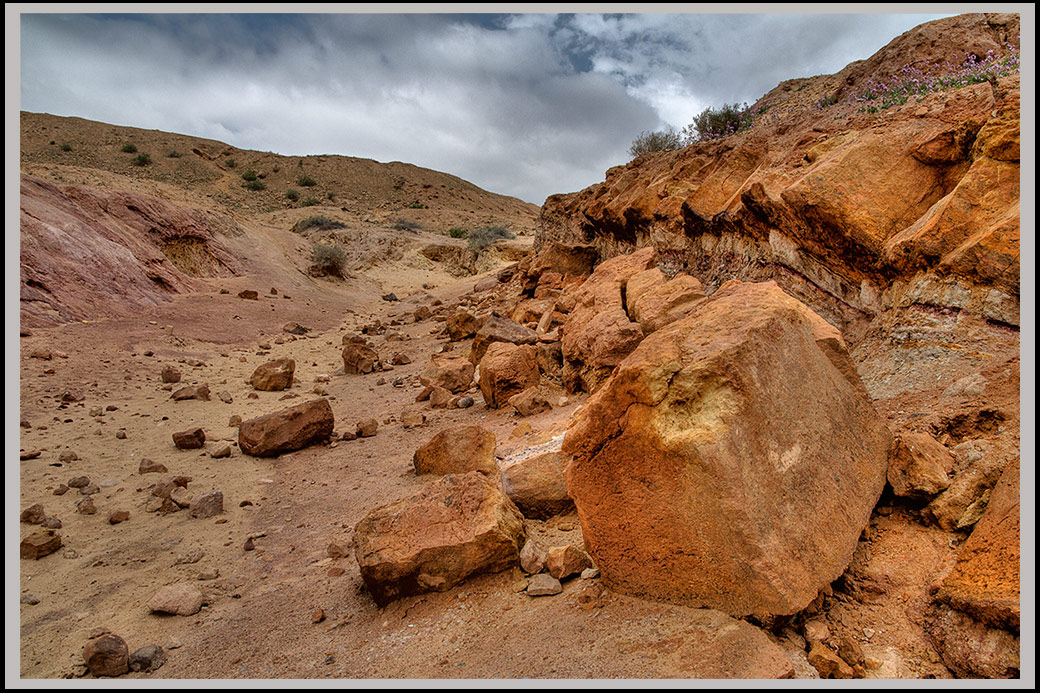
(86, 506)
(533, 400)
(499, 329)
(117, 516)
(457, 450)
(462, 325)
(536, 483)
(543, 585)
(249, 294)
(274, 375)
(192, 439)
(220, 451)
(286, 430)
(34, 514)
(456, 526)
(67, 456)
(366, 428)
(181, 599)
(507, 370)
(39, 544)
(919, 466)
(169, 374)
(200, 392)
(147, 659)
(450, 371)
(564, 561)
(29, 455)
(207, 504)
(106, 656)
(359, 356)
(147, 466)
(828, 663)
(532, 557)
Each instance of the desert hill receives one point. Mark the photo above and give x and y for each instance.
(747, 409)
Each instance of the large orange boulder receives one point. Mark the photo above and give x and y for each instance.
(286, 430)
(457, 526)
(457, 450)
(507, 370)
(731, 461)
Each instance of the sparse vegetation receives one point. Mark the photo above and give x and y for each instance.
(485, 236)
(142, 160)
(129, 148)
(292, 194)
(230, 163)
(319, 222)
(66, 147)
(174, 154)
(309, 202)
(306, 181)
(657, 141)
(406, 225)
(256, 185)
(713, 124)
(458, 232)
(249, 175)
(416, 205)
(328, 260)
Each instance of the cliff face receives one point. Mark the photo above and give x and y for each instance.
(853, 211)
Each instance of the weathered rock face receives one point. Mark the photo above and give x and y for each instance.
(286, 430)
(274, 375)
(985, 581)
(507, 370)
(456, 526)
(852, 211)
(452, 372)
(664, 303)
(499, 329)
(598, 333)
(457, 450)
(87, 253)
(701, 469)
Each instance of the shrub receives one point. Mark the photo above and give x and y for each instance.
(658, 141)
(416, 205)
(292, 194)
(713, 124)
(309, 202)
(328, 259)
(66, 147)
(483, 237)
(458, 233)
(174, 154)
(230, 163)
(142, 160)
(406, 225)
(249, 175)
(306, 181)
(319, 222)
(255, 185)
(129, 148)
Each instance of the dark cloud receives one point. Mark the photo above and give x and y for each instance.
(523, 104)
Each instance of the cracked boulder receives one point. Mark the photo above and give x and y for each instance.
(731, 461)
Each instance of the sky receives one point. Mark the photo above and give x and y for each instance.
(524, 104)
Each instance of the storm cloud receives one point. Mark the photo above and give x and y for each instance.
(520, 104)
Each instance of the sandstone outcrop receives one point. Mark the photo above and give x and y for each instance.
(286, 430)
(456, 526)
(699, 465)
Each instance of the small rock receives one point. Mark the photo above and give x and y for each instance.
(180, 599)
(29, 599)
(532, 558)
(61, 490)
(67, 456)
(107, 655)
(39, 544)
(249, 295)
(234, 421)
(564, 561)
(191, 439)
(543, 585)
(816, 631)
(30, 455)
(181, 496)
(147, 466)
(829, 664)
(336, 551)
(367, 428)
(208, 505)
(225, 397)
(117, 516)
(220, 451)
(590, 574)
(86, 506)
(147, 659)
(169, 374)
(318, 616)
(34, 514)
(79, 482)
(51, 523)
